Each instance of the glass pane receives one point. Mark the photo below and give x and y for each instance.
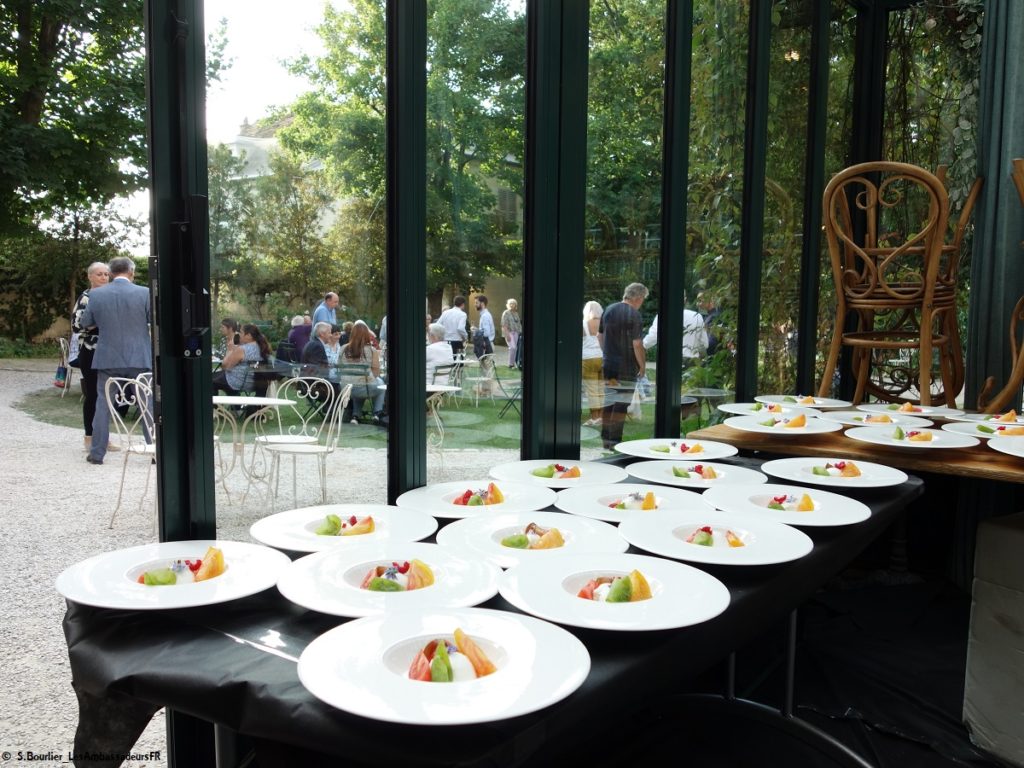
(476, 61)
(717, 103)
(623, 237)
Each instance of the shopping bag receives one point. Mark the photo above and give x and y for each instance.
(634, 411)
(60, 379)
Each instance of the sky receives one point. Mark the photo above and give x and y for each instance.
(261, 35)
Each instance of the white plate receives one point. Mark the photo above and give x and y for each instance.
(437, 499)
(110, 580)
(328, 581)
(591, 473)
(681, 595)
(884, 436)
(751, 500)
(362, 667)
(643, 449)
(976, 429)
(748, 409)
(987, 418)
(753, 424)
(1012, 446)
(856, 419)
(819, 402)
(932, 411)
(593, 501)
(661, 472)
(801, 470)
(481, 536)
(764, 542)
(294, 530)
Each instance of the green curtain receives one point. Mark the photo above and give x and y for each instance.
(997, 268)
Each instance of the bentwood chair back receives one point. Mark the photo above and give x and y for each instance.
(130, 403)
(885, 223)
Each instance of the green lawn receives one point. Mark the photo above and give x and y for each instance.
(466, 425)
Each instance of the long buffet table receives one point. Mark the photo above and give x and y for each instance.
(234, 665)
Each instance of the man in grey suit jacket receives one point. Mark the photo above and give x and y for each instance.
(121, 312)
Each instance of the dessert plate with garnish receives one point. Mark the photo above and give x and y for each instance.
(621, 501)
(314, 529)
(984, 430)
(679, 449)
(909, 409)
(1009, 418)
(758, 409)
(469, 498)
(444, 667)
(913, 439)
(172, 574)
(862, 419)
(836, 472)
(789, 504)
(783, 426)
(629, 593)
(392, 576)
(507, 540)
(693, 474)
(718, 538)
(565, 473)
(805, 401)
(1011, 446)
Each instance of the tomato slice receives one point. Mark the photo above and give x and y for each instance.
(420, 669)
(587, 593)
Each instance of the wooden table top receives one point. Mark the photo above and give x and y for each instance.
(980, 462)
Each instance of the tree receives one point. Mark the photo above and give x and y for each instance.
(72, 101)
(230, 200)
(474, 118)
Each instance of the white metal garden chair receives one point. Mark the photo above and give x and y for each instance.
(135, 429)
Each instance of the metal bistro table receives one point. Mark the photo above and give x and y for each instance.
(234, 665)
(254, 408)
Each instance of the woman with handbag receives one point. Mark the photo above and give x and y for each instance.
(98, 274)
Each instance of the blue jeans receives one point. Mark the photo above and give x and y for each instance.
(363, 392)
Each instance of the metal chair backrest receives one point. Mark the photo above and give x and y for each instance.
(488, 370)
(442, 374)
(332, 433)
(359, 378)
(312, 402)
(135, 428)
(885, 223)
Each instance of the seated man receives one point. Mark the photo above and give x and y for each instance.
(439, 351)
(315, 355)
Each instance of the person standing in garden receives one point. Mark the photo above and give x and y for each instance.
(327, 310)
(625, 361)
(593, 358)
(98, 274)
(483, 338)
(511, 327)
(454, 322)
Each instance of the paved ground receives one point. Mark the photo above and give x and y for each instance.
(55, 510)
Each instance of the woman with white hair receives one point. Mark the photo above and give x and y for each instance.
(511, 327)
(593, 358)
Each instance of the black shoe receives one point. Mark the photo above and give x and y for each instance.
(89, 458)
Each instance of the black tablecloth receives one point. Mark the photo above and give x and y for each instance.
(234, 664)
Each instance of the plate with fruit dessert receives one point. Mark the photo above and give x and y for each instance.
(984, 430)
(1011, 446)
(783, 426)
(804, 401)
(391, 576)
(629, 593)
(911, 409)
(172, 574)
(506, 540)
(835, 472)
(558, 474)
(913, 439)
(863, 419)
(469, 498)
(720, 538)
(678, 449)
(789, 504)
(693, 474)
(621, 501)
(1008, 418)
(763, 409)
(314, 529)
(444, 667)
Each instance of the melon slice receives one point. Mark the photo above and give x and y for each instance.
(1008, 418)
(850, 470)
(806, 504)
(213, 565)
(797, 421)
(649, 501)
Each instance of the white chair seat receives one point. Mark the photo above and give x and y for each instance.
(148, 449)
(297, 448)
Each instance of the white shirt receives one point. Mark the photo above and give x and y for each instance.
(438, 353)
(695, 337)
(454, 322)
(487, 323)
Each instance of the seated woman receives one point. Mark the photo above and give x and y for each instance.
(359, 351)
(251, 348)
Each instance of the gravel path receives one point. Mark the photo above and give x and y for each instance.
(55, 509)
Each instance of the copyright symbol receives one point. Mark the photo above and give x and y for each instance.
(6, 756)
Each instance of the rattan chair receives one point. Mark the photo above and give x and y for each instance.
(886, 224)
